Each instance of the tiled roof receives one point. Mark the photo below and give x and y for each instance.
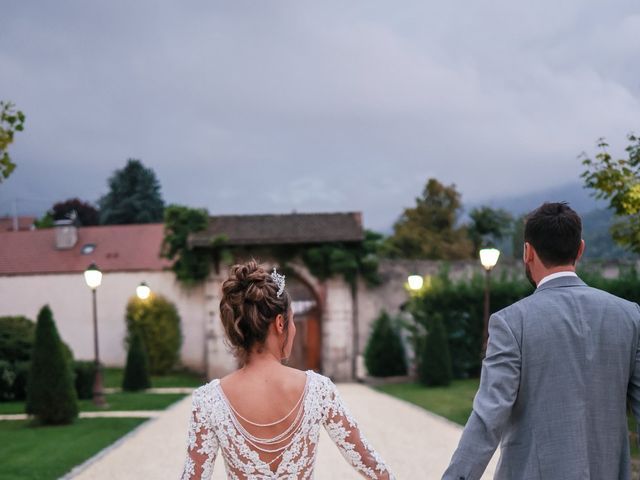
(118, 248)
(295, 228)
(24, 223)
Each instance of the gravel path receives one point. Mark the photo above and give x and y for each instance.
(414, 443)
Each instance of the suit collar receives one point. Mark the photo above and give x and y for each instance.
(562, 282)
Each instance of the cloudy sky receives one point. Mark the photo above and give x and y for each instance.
(271, 106)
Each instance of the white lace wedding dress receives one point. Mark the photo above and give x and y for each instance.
(214, 425)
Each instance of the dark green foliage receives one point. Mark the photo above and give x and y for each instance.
(158, 323)
(16, 338)
(16, 341)
(134, 196)
(86, 213)
(434, 365)
(488, 226)
(51, 395)
(85, 375)
(430, 230)
(348, 260)
(190, 265)
(461, 307)
(384, 355)
(136, 373)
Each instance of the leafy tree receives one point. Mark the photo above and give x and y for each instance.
(134, 196)
(384, 355)
(136, 372)
(190, 265)
(45, 222)
(517, 237)
(157, 322)
(85, 213)
(11, 121)
(618, 181)
(429, 230)
(434, 367)
(51, 394)
(488, 226)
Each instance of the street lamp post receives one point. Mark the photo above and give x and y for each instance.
(93, 278)
(488, 259)
(415, 282)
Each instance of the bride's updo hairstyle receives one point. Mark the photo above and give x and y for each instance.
(248, 307)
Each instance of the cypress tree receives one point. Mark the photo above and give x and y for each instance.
(384, 355)
(434, 367)
(136, 373)
(51, 395)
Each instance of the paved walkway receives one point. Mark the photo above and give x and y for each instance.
(415, 443)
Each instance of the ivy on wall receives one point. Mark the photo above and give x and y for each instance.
(324, 261)
(191, 266)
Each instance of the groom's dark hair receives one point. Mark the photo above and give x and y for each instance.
(555, 232)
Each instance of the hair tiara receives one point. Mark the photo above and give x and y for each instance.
(279, 280)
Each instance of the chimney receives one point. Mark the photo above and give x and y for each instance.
(66, 234)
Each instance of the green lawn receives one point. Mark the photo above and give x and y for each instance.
(116, 402)
(453, 402)
(44, 453)
(113, 379)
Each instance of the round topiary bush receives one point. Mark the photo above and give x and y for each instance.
(434, 366)
(51, 395)
(136, 373)
(157, 322)
(384, 355)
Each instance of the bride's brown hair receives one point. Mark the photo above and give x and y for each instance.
(249, 305)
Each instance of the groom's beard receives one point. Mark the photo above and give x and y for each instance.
(527, 271)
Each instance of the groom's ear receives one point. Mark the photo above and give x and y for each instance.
(580, 250)
(527, 253)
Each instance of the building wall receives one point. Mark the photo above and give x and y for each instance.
(70, 300)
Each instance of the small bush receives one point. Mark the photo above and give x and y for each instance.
(384, 355)
(85, 372)
(136, 373)
(16, 342)
(51, 395)
(157, 321)
(434, 366)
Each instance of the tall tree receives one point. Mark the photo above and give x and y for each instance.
(517, 236)
(430, 229)
(11, 121)
(618, 181)
(488, 226)
(134, 196)
(85, 213)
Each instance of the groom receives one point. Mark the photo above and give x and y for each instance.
(559, 367)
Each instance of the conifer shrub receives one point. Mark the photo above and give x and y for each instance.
(157, 322)
(434, 365)
(85, 377)
(51, 394)
(136, 373)
(384, 355)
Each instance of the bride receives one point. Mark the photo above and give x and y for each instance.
(265, 418)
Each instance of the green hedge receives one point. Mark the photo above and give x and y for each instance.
(461, 306)
(157, 321)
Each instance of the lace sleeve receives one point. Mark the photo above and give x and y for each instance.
(202, 444)
(344, 431)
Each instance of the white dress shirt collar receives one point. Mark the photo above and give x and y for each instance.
(556, 275)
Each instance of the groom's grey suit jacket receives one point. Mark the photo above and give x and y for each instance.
(553, 390)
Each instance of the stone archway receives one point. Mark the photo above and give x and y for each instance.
(306, 353)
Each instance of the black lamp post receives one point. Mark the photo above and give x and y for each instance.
(93, 277)
(488, 259)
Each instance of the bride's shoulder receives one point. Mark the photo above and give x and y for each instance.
(321, 383)
(204, 394)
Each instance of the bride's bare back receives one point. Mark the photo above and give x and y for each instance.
(265, 418)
